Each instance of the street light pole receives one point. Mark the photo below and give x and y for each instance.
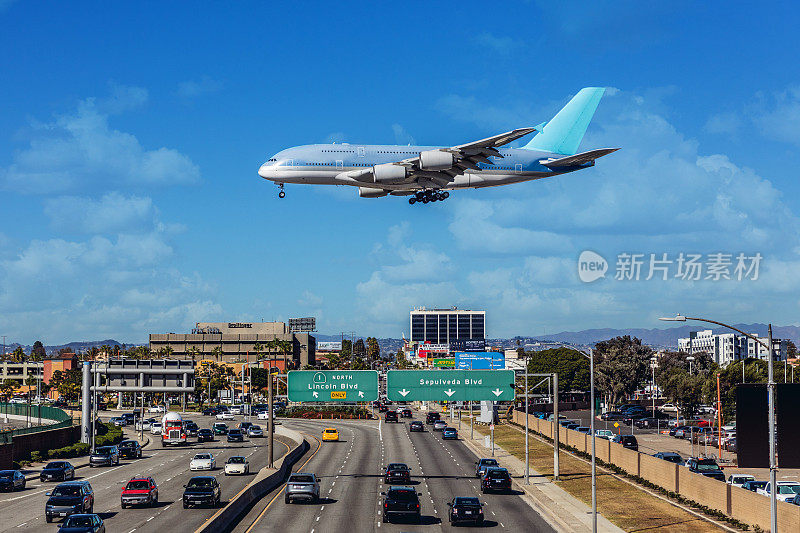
(527, 459)
(594, 452)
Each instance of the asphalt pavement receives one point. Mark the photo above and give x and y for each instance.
(24, 510)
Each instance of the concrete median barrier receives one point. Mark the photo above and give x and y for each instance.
(265, 481)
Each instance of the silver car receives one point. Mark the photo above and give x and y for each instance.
(302, 486)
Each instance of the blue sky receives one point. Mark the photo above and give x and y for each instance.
(131, 137)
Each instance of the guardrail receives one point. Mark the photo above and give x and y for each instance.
(61, 418)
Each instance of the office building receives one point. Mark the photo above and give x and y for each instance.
(443, 326)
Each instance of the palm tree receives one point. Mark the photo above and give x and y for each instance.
(217, 353)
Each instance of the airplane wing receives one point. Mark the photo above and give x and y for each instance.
(458, 159)
(577, 159)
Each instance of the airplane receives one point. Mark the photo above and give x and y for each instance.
(428, 173)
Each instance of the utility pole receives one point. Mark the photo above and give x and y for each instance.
(773, 468)
(527, 459)
(556, 425)
(270, 423)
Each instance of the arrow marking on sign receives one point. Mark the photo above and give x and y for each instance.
(449, 392)
(315, 394)
(497, 392)
(360, 394)
(404, 392)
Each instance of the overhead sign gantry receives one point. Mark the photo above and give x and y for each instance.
(450, 385)
(332, 385)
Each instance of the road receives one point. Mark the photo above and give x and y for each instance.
(24, 510)
(351, 482)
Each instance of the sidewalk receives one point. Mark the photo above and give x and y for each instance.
(562, 510)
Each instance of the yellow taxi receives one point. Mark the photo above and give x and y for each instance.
(330, 434)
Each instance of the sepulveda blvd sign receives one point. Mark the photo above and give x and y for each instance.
(333, 385)
(450, 385)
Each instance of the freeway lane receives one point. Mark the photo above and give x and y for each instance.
(24, 511)
(352, 482)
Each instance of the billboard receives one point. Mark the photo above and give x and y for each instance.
(443, 362)
(302, 324)
(480, 360)
(468, 345)
(329, 346)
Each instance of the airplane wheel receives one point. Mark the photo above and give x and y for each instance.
(446, 194)
(425, 200)
(412, 201)
(281, 194)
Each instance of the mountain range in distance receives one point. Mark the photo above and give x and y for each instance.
(655, 337)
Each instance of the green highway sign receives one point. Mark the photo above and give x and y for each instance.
(333, 385)
(450, 385)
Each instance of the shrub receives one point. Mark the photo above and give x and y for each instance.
(38, 456)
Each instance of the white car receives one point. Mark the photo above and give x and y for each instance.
(237, 465)
(255, 431)
(264, 415)
(224, 416)
(235, 409)
(203, 461)
(738, 480)
(604, 434)
(787, 490)
(668, 408)
(155, 428)
(144, 425)
(156, 409)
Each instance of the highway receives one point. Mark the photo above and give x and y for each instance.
(351, 482)
(24, 510)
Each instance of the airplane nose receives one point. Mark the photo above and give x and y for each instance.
(263, 171)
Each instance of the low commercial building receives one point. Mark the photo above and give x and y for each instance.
(238, 342)
(728, 347)
(20, 371)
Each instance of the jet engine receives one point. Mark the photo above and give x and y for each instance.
(435, 160)
(389, 173)
(368, 192)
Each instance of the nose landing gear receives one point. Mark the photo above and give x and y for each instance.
(428, 196)
(281, 193)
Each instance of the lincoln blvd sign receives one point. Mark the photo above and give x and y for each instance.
(450, 385)
(333, 385)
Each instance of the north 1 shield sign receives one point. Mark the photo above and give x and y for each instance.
(450, 385)
(333, 385)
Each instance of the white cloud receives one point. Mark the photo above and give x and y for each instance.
(112, 213)
(80, 151)
(778, 116)
(401, 136)
(728, 123)
(194, 88)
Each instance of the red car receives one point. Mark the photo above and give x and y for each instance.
(140, 491)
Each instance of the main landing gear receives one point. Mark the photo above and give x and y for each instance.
(282, 193)
(428, 196)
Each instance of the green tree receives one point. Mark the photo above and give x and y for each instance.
(7, 388)
(791, 350)
(571, 366)
(217, 353)
(18, 355)
(373, 350)
(38, 352)
(347, 350)
(621, 365)
(70, 386)
(401, 360)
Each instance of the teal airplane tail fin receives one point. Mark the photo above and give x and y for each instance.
(563, 134)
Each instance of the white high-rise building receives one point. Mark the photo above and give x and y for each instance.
(727, 347)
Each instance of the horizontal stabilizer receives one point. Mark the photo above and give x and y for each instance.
(577, 159)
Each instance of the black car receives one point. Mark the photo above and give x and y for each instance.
(495, 479)
(244, 426)
(482, 465)
(202, 490)
(391, 416)
(104, 455)
(416, 425)
(130, 449)
(405, 412)
(72, 497)
(11, 480)
(432, 417)
(235, 435)
(397, 473)
(205, 435)
(83, 523)
(612, 415)
(627, 441)
(191, 428)
(670, 456)
(209, 411)
(753, 486)
(130, 418)
(465, 510)
(706, 467)
(57, 471)
(401, 502)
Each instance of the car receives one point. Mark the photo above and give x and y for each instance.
(495, 479)
(449, 434)
(416, 425)
(118, 421)
(11, 480)
(139, 491)
(155, 428)
(205, 435)
(225, 416)
(669, 408)
(604, 434)
(465, 509)
(202, 490)
(401, 502)
(235, 435)
(706, 467)
(68, 498)
(209, 411)
(263, 415)
(483, 464)
(439, 425)
(382, 408)
(203, 461)
(330, 434)
(156, 409)
(57, 471)
(573, 426)
(787, 490)
(795, 500)
(627, 441)
(432, 417)
(738, 480)
(405, 412)
(144, 425)
(237, 465)
(235, 409)
(302, 486)
(220, 428)
(611, 415)
(83, 523)
(583, 429)
(244, 425)
(390, 416)
(104, 455)
(397, 473)
(130, 449)
(191, 428)
(753, 486)
(255, 431)
(672, 457)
